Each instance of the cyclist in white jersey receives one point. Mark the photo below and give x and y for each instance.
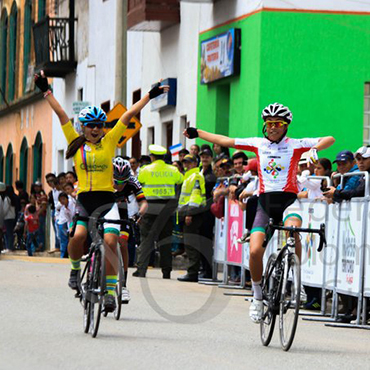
(277, 158)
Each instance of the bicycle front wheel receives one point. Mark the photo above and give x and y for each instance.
(268, 291)
(290, 301)
(120, 280)
(98, 290)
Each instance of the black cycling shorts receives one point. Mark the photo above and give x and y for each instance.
(271, 205)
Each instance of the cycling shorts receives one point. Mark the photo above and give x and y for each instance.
(271, 205)
(99, 204)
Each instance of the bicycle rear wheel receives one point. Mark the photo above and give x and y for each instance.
(120, 278)
(290, 301)
(97, 291)
(269, 286)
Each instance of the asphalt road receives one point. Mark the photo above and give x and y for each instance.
(167, 325)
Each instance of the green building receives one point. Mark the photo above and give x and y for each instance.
(316, 63)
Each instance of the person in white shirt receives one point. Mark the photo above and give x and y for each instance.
(66, 208)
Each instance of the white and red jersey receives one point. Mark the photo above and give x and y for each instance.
(277, 162)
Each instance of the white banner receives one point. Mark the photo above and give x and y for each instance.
(220, 241)
(312, 263)
(330, 255)
(350, 244)
(367, 260)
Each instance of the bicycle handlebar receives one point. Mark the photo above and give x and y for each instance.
(320, 231)
(100, 220)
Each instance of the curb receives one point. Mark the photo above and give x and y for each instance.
(4, 257)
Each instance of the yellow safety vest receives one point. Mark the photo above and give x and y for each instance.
(159, 180)
(193, 191)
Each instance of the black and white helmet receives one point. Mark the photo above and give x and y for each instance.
(121, 168)
(277, 110)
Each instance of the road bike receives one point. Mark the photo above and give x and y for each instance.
(281, 286)
(91, 284)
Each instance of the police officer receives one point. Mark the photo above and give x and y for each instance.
(159, 181)
(191, 208)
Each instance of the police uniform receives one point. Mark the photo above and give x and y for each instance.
(159, 181)
(192, 203)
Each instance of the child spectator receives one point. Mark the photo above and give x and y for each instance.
(70, 190)
(66, 207)
(31, 229)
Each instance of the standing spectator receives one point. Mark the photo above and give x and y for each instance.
(191, 207)
(66, 208)
(53, 195)
(144, 161)
(41, 200)
(182, 154)
(208, 219)
(218, 149)
(195, 149)
(31, 229)
(345, 164)
(69, 189)
(62, 179)
(159, 181)
(11, 209)
(134, 166)
(179, 166)
(22, 194)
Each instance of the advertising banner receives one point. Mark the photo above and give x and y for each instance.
(235, 228)
(312, 263)
(220, 56)
(220, 241)
(350, 247)
(367, 261)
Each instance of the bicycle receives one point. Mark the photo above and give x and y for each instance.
(91, 285)
(281, 287)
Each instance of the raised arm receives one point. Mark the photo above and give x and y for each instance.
(192, 133)
(42, 83)
(137, 107)
(325, 142)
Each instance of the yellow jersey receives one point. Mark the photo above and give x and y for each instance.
(93, 162)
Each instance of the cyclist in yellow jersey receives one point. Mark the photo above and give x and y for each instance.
(92, 153)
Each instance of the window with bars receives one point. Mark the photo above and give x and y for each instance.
(366, 132)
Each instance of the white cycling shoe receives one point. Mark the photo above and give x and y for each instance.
(126, 297)
(255, 311)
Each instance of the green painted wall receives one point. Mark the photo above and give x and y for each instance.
(316, 64)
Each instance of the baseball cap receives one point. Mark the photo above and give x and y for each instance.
(343, 156)
(190, 158)
(304, 158)
(252, 165)
(157, 149)
(206, 152)
(364, 152)
(226, 162)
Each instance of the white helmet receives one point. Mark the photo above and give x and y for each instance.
(277, 110)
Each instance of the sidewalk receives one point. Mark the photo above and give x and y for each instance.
(44, 257)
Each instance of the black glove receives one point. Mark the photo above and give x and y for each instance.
(192, 132)
(42, 83)
(155, 91)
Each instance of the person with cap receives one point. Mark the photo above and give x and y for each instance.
(362, 157)
(304, 164)
(208, 223)
(159, 181)
(277, 159)
(346, 163)
(92, 153)
(191, 209)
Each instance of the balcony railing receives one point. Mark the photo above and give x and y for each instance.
(54, 46)
(152, 15)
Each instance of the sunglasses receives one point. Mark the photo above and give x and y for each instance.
(98, 125)
(277, 124)
(119, 182)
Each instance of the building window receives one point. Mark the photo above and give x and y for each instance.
(27, 41)
(41, 13)
(168, 131)
(12, 50)
(37, 158)
(150, 135)
(1, 164)
(9, 165)
(366, 138)
(23, 162)
(4, 54)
